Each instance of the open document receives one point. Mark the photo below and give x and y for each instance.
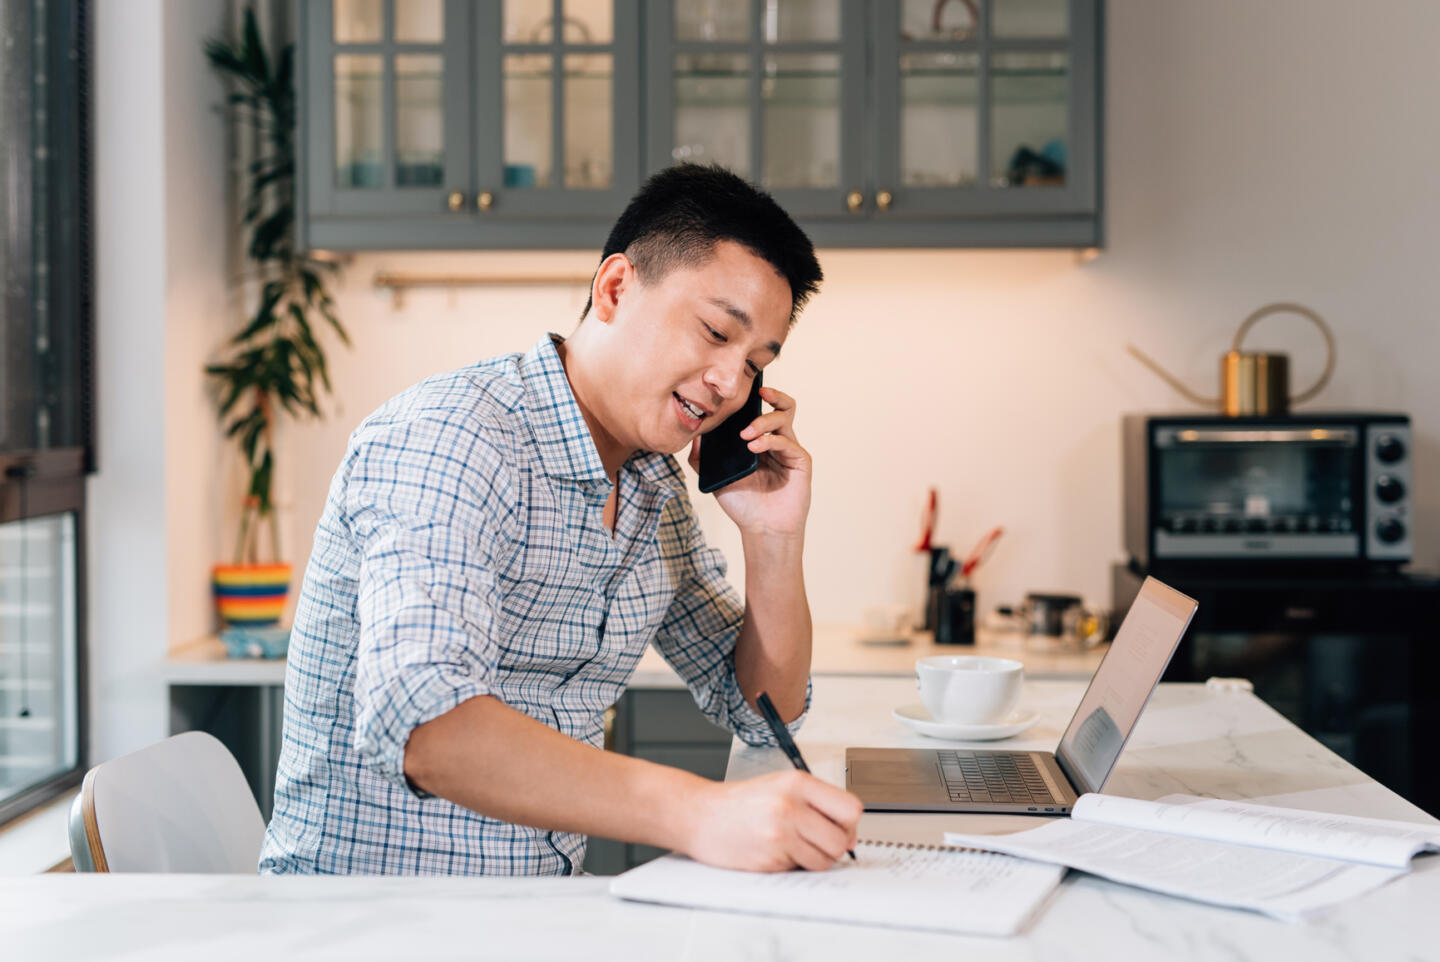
(903, 886)
(1349, 837)
(1283, 862)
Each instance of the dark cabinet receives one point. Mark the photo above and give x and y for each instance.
(660, 725)
(1347, 655)
(529, 123)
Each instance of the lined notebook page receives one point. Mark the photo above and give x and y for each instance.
(902, 886)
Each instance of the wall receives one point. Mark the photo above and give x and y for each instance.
(126, 546)
(1255, 152)
(201, 310)
(161, 306)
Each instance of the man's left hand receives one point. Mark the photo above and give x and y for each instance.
(775, 499)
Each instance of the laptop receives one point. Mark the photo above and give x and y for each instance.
(1038, 783)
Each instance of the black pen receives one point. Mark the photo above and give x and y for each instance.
(787, 744)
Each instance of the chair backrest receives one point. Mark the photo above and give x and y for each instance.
(181, 805)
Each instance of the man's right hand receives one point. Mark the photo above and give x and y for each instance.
(773, 823)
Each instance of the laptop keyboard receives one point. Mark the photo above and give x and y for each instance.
(993, 777)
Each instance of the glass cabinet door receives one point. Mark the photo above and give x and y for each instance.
(39, 710)
(556, 82)
(985, 107)
(387, 135)
(774, 90)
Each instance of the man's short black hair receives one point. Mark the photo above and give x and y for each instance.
(682, 212)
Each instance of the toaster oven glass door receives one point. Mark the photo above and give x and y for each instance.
(1248, 492)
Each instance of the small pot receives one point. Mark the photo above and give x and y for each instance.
(1063, 617)
(251, 595)
(1044, 614)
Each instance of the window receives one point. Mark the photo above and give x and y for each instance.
(45, 395)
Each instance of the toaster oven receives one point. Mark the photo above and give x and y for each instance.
(1299, 488)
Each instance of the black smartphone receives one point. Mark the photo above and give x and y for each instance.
(725, 457)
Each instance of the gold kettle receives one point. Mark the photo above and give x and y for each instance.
(1251, 384)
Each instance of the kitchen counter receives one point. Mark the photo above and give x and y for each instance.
(837, 650)
(1200, 739)
(197, 674)
(1192, 738)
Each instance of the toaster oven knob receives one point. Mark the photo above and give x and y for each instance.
(1390, 530)
(1389, 448)
(1389, 489)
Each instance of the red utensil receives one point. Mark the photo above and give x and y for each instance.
(927, 521)
(980, 552)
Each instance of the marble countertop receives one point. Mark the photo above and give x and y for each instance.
(1191, 738)
(838, 650)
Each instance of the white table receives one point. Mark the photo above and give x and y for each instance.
(1190, 739)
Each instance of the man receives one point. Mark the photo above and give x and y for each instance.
(500, 544)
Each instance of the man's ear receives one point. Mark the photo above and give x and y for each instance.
(615, 276)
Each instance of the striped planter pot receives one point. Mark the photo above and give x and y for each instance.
(251, 595)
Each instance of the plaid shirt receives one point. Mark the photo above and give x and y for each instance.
(462, 552)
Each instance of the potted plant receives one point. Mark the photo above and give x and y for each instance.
(275, 365)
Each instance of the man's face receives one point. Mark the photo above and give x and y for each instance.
(685, 348)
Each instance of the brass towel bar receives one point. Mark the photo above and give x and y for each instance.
(399, 283)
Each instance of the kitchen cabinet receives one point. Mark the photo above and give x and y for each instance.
(774, 91)
(452, 124)
(458, 124)
(922, 123)
(985, 127)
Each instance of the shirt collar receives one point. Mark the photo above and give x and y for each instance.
(563, 438)
(561, 435)
(659, 469)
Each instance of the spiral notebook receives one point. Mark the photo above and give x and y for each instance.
(900, 885)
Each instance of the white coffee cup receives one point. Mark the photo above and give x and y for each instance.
(969, 689)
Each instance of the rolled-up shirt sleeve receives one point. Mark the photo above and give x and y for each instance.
(698, 635)
(421, 500)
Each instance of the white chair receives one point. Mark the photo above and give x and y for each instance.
(181, 805)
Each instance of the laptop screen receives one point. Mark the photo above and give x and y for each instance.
(1122, 684)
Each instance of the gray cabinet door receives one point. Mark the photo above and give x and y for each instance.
(986, 116)
(384, 131)
(774, 91)
(890, 123)
(662, 725)
(467, 123)
(557, 129)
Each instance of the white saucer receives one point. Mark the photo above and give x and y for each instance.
(919, 719)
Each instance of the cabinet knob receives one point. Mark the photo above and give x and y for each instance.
(485, 200)
(854, 199)
(884, 199)
(456, 200)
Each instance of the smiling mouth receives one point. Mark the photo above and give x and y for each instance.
(690, 410)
